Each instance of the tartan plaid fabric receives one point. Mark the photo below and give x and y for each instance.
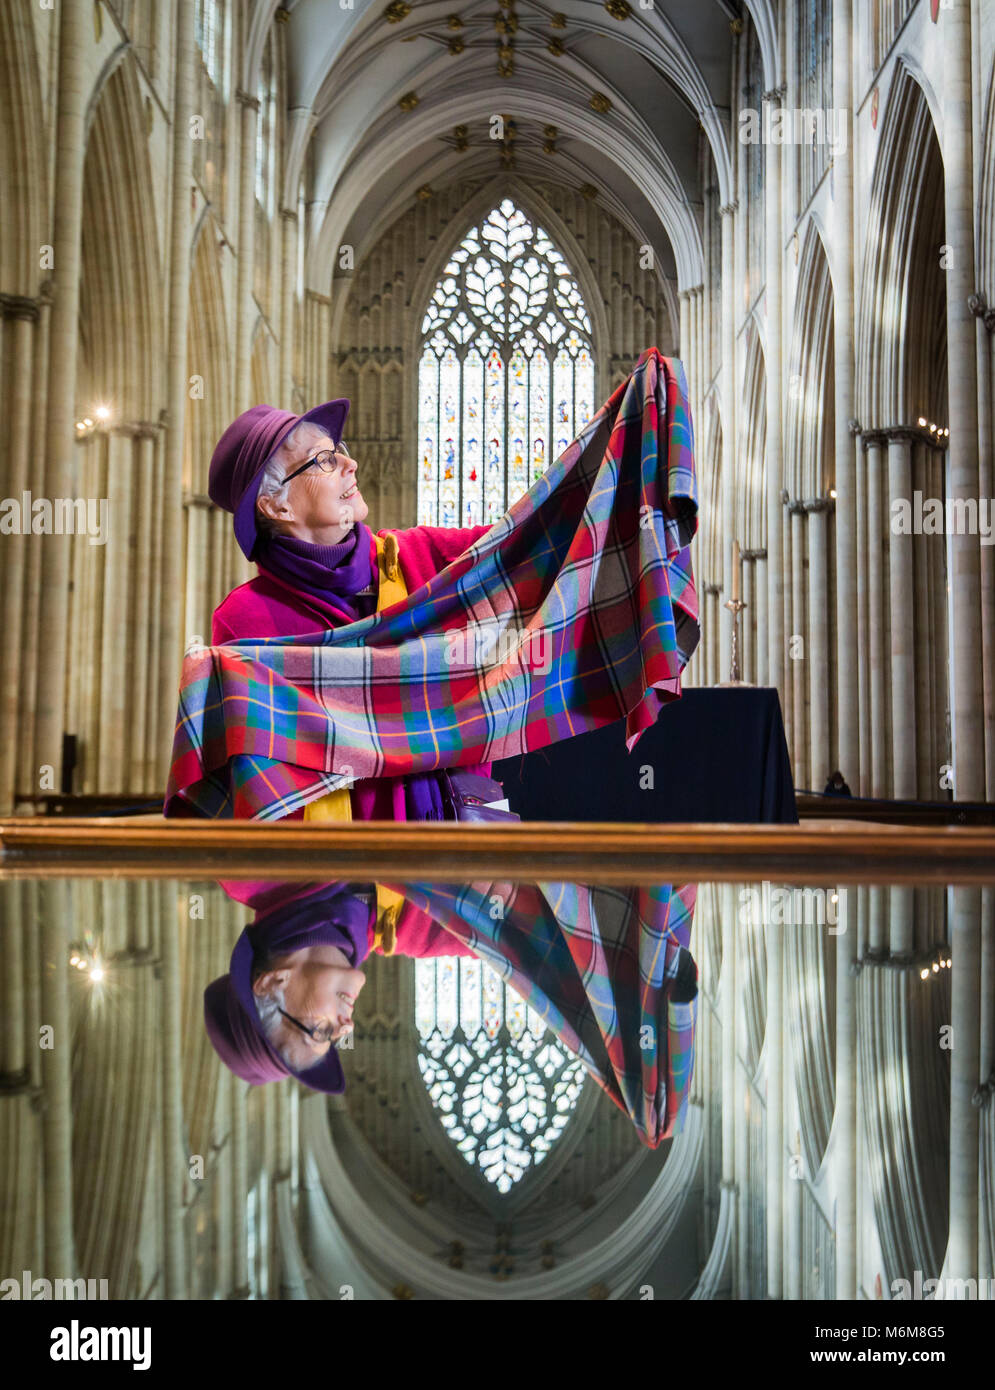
(595, 963)
(576, 608)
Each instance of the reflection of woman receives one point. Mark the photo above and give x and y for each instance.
(294, 977)
(294, 492)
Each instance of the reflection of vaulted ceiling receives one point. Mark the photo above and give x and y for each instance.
(400, 95)
(388, 1105)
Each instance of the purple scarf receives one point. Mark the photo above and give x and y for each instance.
(340, 571)
(334, 573)
(333, 916)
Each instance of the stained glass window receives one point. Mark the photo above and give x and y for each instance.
(207, 31)
(506, 374)
(504, 1086)
(264, 131)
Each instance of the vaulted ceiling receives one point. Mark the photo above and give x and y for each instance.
(400, 94)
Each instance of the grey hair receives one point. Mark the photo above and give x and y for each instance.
(268, 1008)
(272, 484)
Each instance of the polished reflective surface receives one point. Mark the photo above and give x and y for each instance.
(539, 1090)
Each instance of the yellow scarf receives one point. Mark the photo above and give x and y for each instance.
(337, 805)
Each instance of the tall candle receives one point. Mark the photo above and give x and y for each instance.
(735, 570)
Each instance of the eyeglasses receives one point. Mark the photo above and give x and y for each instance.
(321, 1033)
(327, 460)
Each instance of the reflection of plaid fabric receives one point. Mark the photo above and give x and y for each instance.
(594, 557)
(595, 963)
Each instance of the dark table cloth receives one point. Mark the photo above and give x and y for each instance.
(715, 754)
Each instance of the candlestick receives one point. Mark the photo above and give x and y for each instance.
(735, 570)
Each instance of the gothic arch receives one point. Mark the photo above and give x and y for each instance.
(532, 1184)
(906, 1122)
(809, 434)
(712, 484)
(985, 230)
(751, 502)
(208, 354)
(122, 319)
(23, 153)
(901, 321)
(537, 209)
(362, 1220)
(534, 207)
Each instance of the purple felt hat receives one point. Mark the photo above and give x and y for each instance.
(230, 1014)
(245, 448)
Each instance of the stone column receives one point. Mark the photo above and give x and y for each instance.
(877, 940)
(56, 1122)
(820, 741)
(859, 627)
(925, 752)
(71, 89)
(731, 477)
(874, 445)
(747, 619)
(684, 328)
(965, 1013)
(170, 500)
(288, 291)
(114, 693)
(799, 627)
(901, 588)
(901, 918)
(787, 685)
(845, 1167)
(986, 490)
(14, 927)
(710, 624)
(731, 1118)
(27, 743)
(941, 620)
(239, 1191)
(793, 1225)
(696, 369)
(962, 389)
(245, 307)
(170, 1053)
(144, 696)
(774, 665)
(761, 589)
(847, 655)
(724, 525)
(986, 1060)
(224, 1209)
(776, 1166)
(157, 748)
(19, 315)
(92, 476)
(743, 1102)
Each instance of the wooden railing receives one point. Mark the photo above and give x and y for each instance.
(823, 852)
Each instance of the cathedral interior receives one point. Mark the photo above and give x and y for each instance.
(477, 222)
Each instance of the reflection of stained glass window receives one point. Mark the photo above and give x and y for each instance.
(503, 1085)
(506, 377)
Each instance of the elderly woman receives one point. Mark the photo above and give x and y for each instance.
(296, 974)
(295, 494)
